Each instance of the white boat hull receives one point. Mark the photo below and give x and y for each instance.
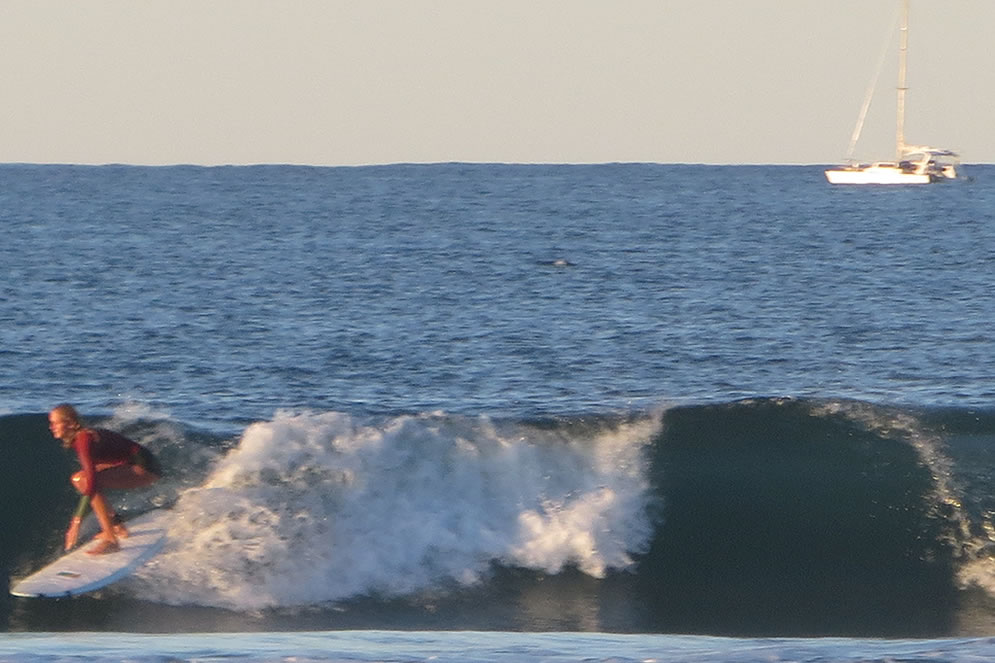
(877, 175)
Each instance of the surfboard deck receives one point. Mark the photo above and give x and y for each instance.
(78, 573)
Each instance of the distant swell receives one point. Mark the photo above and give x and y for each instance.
(774, 516)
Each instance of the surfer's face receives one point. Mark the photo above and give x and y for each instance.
(61, 427)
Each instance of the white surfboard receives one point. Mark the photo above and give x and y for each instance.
(78, 573)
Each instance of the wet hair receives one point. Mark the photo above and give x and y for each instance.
(67, 411)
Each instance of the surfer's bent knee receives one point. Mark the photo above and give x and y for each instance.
(147, 464)
(80, 483)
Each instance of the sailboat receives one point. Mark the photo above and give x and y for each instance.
(913, 164)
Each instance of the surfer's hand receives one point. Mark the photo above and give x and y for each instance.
(72, 533)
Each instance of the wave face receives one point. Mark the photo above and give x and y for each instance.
(774, 516)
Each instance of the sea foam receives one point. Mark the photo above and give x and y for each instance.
(310, 508)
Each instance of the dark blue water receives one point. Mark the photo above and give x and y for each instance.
(618, 398)
(223, 294)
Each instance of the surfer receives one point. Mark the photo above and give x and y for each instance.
(109, 461)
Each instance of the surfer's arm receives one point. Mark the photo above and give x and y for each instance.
(72, 534)
(84, 504)
(86, 480)
(83, 481)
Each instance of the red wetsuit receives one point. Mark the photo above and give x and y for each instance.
(96, 446)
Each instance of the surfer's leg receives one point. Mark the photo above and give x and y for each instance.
(119, 477)
(117, 524)
(116, 477)
(124, 477)
(108, 541)
(120, 531)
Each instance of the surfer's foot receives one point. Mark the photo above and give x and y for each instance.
(120, 531)
(103, 546)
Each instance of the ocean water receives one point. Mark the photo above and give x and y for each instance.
(506, 412)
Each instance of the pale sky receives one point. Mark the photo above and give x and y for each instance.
(349, 82)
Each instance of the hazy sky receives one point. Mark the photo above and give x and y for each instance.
(342, 82)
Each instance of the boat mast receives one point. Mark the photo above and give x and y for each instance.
(903, 51)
